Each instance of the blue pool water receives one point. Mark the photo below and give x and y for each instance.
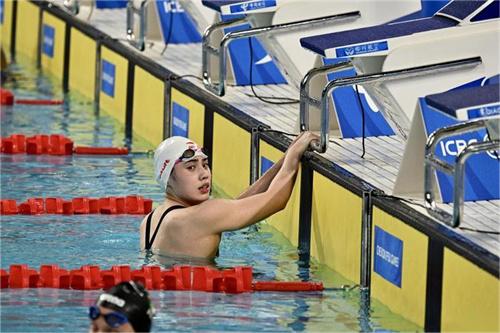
(72, 241)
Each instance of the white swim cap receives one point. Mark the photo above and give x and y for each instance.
(168, 152)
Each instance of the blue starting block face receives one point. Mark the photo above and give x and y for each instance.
(264, 69)
(482, 170)
(349, 112)
(176, 25)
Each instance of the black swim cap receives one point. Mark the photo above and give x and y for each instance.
(131, 299)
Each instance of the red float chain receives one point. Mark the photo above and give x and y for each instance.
(54, 144)
(132, 204)
(7, 98)
(201, 278)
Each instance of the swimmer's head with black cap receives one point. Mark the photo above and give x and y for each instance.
(125, 307)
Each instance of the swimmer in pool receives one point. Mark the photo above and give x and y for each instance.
(188, 223)
(124, 308)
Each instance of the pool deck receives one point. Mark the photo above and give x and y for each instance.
(383, 155)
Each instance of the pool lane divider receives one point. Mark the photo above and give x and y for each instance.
(54, 144)
(199, 278)
(8, 98)
(132, 204)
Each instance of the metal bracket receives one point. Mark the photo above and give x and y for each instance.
(432, 163)
(221, 52)
(377, 78)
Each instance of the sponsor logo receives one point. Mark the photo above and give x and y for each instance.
(455, 146)
(108, 71)
(361, 49)
(172, 6)
(388, 258)
(249, 6)
(48, 40)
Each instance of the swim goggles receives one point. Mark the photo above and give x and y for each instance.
(190, 153)
(113, 319)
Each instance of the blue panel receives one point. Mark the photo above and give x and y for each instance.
(492, 11)
(482, 170)
(388, 256)
(264, 70)
(265, 164)
(180, 120)
(48, 41)
(111, 4)
(349, 112)
(108, 71)
(251, 5)
(460, 9)
(176, 25)
(2, 8)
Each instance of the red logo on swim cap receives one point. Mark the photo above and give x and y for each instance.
(164, 166)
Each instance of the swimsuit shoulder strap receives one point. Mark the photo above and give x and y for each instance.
(149, 242)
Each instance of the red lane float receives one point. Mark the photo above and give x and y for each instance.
(54, 144)
(7, 98)
(132, 204)
(39, 101)
(200, 278)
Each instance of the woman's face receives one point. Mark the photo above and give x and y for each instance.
(191, 181)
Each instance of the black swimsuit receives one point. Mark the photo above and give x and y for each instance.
(149, 242)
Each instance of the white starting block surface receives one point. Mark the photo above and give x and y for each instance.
(383, 154)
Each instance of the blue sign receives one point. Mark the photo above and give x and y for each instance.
(176, 25)
(180, 120)
(108, 72)
(48, 35)
(361, 49)
(1, 10)
(482, 170)
(480, 112)
(265, 164)
(251, 5)
(264, 69)
(350, 112)
(388, 256)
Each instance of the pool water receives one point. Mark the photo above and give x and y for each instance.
(106, 240)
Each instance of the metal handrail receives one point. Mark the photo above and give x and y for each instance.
(219, 88)
(381, 77)
(207, 49)
(305, 99)
(139, 42)
(432, 164)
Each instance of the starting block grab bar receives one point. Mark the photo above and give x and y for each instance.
(307, 100)
(432, 163)
(220, 51)
(137, 41)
